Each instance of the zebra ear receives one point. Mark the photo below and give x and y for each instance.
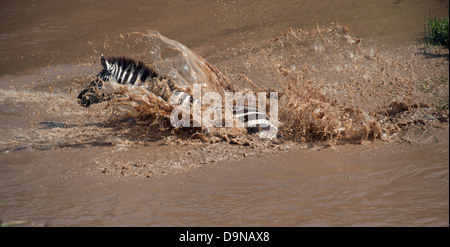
(104, 62)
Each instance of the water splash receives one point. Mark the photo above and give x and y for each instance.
(333, 88)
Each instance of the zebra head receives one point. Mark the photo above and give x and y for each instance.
(91, 94)
(119, 69)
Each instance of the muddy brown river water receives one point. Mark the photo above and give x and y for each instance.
(64, 165)
(346, 186)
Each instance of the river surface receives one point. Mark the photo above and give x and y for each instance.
(348, 186)
(63, 165)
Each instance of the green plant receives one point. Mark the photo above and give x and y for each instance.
(442, 104)
(436, 31)
(443, 79)
(424, 86)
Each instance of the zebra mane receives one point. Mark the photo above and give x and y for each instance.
(125, 62)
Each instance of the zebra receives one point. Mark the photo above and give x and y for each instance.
(127, 71)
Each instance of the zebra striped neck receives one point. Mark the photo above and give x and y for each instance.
(128, 71)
